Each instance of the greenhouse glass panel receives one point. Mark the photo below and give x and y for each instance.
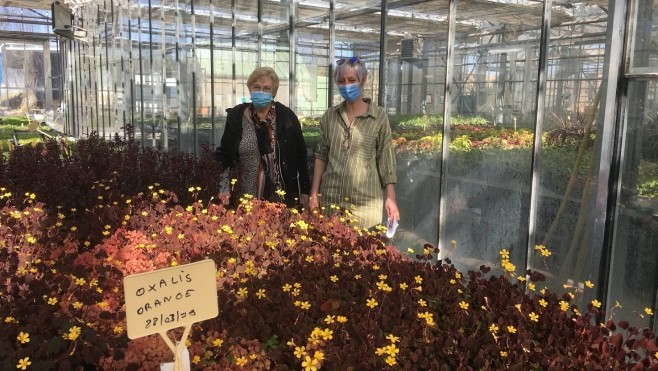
(566, 166)
(488, 174)
(644, 56)
(312, 63)
(415, 78)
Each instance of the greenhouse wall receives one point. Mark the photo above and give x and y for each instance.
(523, 126)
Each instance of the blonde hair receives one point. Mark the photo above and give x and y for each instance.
(264, 72)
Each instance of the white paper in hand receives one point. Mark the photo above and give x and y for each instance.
(391, 226)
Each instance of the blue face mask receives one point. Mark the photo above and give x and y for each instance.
(350, 92)
(261, 99)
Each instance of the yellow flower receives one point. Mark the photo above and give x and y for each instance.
(418, 279)
(453, 281)
(73, 333)
(300, 352)
(422, 303)
(80, 281)
(648, 311)
(242, 292)
(533, 317)
(310, 364)
(334, 278)
(260, 293)
(589, 284)
(52, 301)
(543, 303)
(305, 305)
(241, 361)
(9, 319)
(596, 303)
(404, 286)
(463, 305)
(390, 361)
(564, 305)
(217, 342)
(196, 359)
(392, 338)
(511, 329)
(493, 328)
(341, 319)
(371, 303)
(23, 363)
(329, 319)
(357, 277)
(23, 337)
(118, 330)
(319, 355)
(503, 353)
(391, 350)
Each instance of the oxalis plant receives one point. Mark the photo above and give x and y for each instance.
(296, 291)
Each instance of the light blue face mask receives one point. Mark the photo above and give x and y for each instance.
(350, 92)
(261, 99)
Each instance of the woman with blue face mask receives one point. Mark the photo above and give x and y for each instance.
(263, 146)
(354, 164)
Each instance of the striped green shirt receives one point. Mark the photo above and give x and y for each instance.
(355, 178)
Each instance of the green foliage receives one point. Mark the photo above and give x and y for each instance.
(468, 120)
(306, 121)
(425, 122)
(397, 120)
(648, 188)
(461, 143)
(15, 121)
(648, 179)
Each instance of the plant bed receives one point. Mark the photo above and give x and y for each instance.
(296, 290)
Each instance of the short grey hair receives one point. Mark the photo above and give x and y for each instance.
(264, 72)
(361, 71)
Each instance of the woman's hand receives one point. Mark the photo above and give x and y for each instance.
(313, 202)
(392, 209)
(390, 204)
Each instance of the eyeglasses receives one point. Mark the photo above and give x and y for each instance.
(350, 60)
(347, 139)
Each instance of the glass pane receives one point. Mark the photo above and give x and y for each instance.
(313, 60)
(644, 54)
(357, 34)
(566, 164)
(633, 271)
(488, 175)
(416, 65)
(206, 132)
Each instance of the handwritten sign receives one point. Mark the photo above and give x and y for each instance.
(170, 298)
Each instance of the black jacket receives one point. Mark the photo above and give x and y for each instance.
(292, 149)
